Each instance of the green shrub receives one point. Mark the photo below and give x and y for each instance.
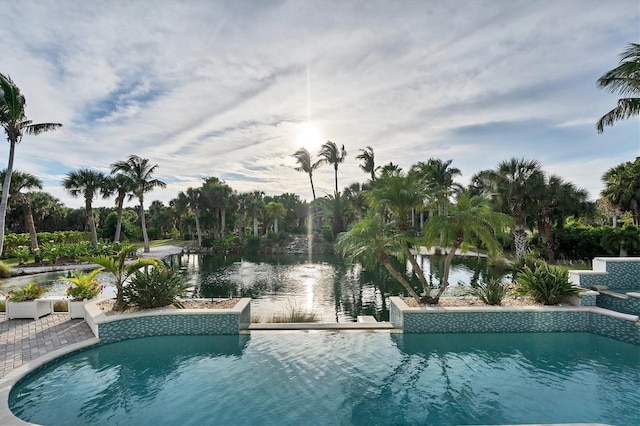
(3, 306)
(546, 284)
(293, 313)
(253, 245)
(491, 292)
(5, 271)
(155, 287)
(86, 286)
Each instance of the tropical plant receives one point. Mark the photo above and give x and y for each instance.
(490, 292)
(121, 269)
(5, 271)
(622, 188)
(368, 162)
(331, 154)
(155, 287)
(85, 286)
(470, 222)
(623, 240)
(122, 187)
(293, 313)
(512, 187)
(371, 241)
(88, 183)
(546, 284)
(305, 164)
(140, 172)
(624, 80)
(31, 291)
(19, 182)
(15, 124)
(192, 199)
(275, 211)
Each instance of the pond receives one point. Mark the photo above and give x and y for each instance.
(324, 285)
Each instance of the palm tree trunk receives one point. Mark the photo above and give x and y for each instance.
(447, 266)
(5, 191)
(275, 224)
(198, 232)
(28, 221)
(92, 224)
(336, 174)
(223, 221)
(255, 226)
(395, 274)
(417, 269)
(313, 190)
(116, 238)
(144, 227)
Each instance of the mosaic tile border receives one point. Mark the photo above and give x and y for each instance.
(500, 319)
(168, 322)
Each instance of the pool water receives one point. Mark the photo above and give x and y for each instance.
(339, 378)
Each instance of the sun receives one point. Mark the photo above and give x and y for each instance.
(308, 137)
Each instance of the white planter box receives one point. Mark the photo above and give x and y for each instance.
(29, 309)
(76, 308)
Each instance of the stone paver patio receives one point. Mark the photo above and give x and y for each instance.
(24, 340)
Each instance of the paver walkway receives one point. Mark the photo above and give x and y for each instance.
(23, 340)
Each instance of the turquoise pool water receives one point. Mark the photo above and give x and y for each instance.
(343, 378)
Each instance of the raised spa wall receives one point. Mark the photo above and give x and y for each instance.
(167, 322)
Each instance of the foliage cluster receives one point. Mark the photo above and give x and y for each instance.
(155, 287)
(14, 243)
(31, 291)
(5, 271)
(545, 283)
(490, 292)
(85, 286)
(584, 242)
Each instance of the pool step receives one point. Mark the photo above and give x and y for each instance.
(322, 326)
(367, 318)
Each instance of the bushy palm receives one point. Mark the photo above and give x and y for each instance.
(622, 187)
(490, 292)
(19, 182)
(624, 80)
(331, 154)
(368, 162)
(15, 124)
(88, 183)
(305, 164)
(155, 287)
(470, 222)
(121, 269)
(85, 285)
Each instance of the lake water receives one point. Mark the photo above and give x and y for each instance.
(325, 285)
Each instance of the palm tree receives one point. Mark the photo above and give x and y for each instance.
(469, 220)
(368, 162)
(254, 205)
(88, 183)
(513, 185)
(303, 158)
(139, 171)
(192, 199)
(122, 186)
(120, 269)
(622, 187)
(370, 241)
(624, 80)
(275, 210)
(332, 155)
(15, 124)
(19, 182)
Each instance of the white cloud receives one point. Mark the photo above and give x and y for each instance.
(215, 88)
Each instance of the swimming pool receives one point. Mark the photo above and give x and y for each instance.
(324, 378)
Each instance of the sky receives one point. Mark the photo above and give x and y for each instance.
(232, 89)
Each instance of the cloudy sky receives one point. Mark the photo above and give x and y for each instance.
(226, 88)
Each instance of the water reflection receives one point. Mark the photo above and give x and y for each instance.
(332, 289)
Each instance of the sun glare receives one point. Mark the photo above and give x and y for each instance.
(308, 137)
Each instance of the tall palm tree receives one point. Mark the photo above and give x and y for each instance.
(19, 182)
(192, 198)
(303, 158)
(368, 162)
(122, 186)
(624, 80)
(469, 220)
(371, 241)
(15, 124)
(332, 155)
(622, 187)
(140, 172)
(513, 185)
(275, 210)
(89, 184)
(254, 206)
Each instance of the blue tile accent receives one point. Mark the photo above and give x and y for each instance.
(630, 306)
